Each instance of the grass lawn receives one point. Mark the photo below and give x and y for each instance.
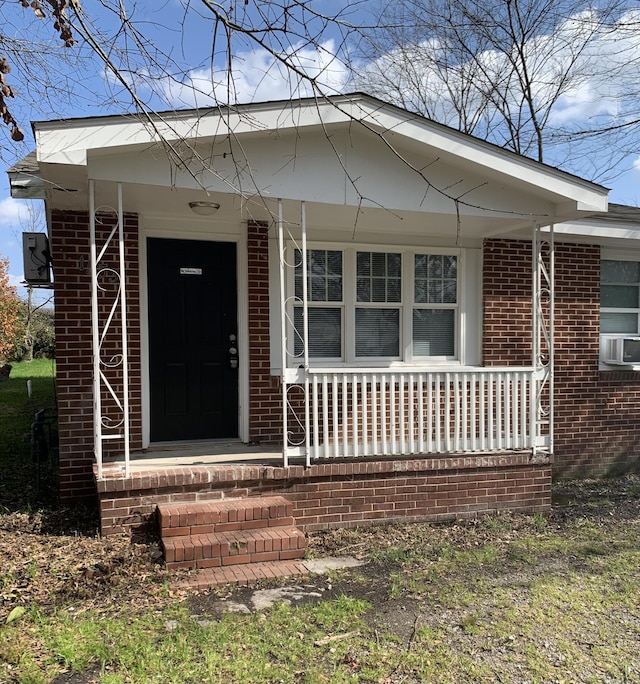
(509, 598)
(25, 482)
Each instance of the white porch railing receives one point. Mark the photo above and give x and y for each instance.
(383, 412)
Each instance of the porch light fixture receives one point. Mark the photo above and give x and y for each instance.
(204, 208)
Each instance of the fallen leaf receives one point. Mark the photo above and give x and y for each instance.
(16, 613)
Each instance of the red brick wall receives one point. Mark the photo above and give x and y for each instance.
(506, 335)
(265, 414)
(70, 254)
(597, 420)
(334, 495)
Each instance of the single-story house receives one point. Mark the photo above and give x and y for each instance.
(334, 301)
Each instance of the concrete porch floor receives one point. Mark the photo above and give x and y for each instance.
(178, 454)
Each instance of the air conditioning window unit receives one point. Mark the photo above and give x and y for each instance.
(622, 351)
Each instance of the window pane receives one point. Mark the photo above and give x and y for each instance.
(334, 262)
(378, 264)
(378, 332)
(619, 296)
(394, 264)
(434, 332)
(325, 332)
(619, 323)
(450, 266)
(334, 289)
(620, 271)
(364, 264)
(379, 290)
(364, 290)
(449, 292)
(318, 289)
(379, 277)
(435, 279)
(434, 269)
(394, 288)
(324, 273)
(435, 292)
(317, 261)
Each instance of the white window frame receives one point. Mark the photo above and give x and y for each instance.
(407, 305)
(610, 255)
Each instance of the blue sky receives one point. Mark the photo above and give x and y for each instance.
(186, 47)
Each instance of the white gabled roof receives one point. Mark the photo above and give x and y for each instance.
(344, 148)
(68, 141)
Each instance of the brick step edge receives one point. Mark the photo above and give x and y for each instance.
(234, 548)
(241, 575)
(182, 519)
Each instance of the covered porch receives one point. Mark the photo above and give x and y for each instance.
(388, 411)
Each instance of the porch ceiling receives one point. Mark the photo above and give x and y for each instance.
(67, 189)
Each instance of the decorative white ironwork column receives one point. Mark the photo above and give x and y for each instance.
(109, 327)
(543, 316)
(295, 380)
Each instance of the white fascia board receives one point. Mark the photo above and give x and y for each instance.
(598, 230)
(67, 142)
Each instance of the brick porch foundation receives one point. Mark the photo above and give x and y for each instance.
(344, 494)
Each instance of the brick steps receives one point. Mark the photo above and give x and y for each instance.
(232, 533)
(232, 514)
(234, 548)
(242, 575)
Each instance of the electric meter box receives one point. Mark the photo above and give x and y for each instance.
(36, 259)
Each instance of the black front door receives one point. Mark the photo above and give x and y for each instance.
(192, 339)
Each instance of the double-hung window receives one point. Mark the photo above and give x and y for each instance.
(619, 297)
(435, 305)
(619, 312)
(378, 304)
(374, 306)
(325, 304)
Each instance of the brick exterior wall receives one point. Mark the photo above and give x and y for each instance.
(265, 414)
(71, 258)
(597, 421)
(333, 495)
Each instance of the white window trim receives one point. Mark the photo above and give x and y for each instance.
(406, 306)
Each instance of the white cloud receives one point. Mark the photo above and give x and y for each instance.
(15, 281)
(14, 212)
(259, 76)
(580, 72)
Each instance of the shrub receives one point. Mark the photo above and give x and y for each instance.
(40, 341)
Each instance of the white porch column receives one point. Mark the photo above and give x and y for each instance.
(108, 309)
(296, 379)
(543, 316)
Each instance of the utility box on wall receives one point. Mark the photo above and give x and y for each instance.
(36, 259)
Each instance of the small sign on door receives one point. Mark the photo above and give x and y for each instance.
(190, 271)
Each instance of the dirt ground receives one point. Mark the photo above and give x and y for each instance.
(53, 558)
